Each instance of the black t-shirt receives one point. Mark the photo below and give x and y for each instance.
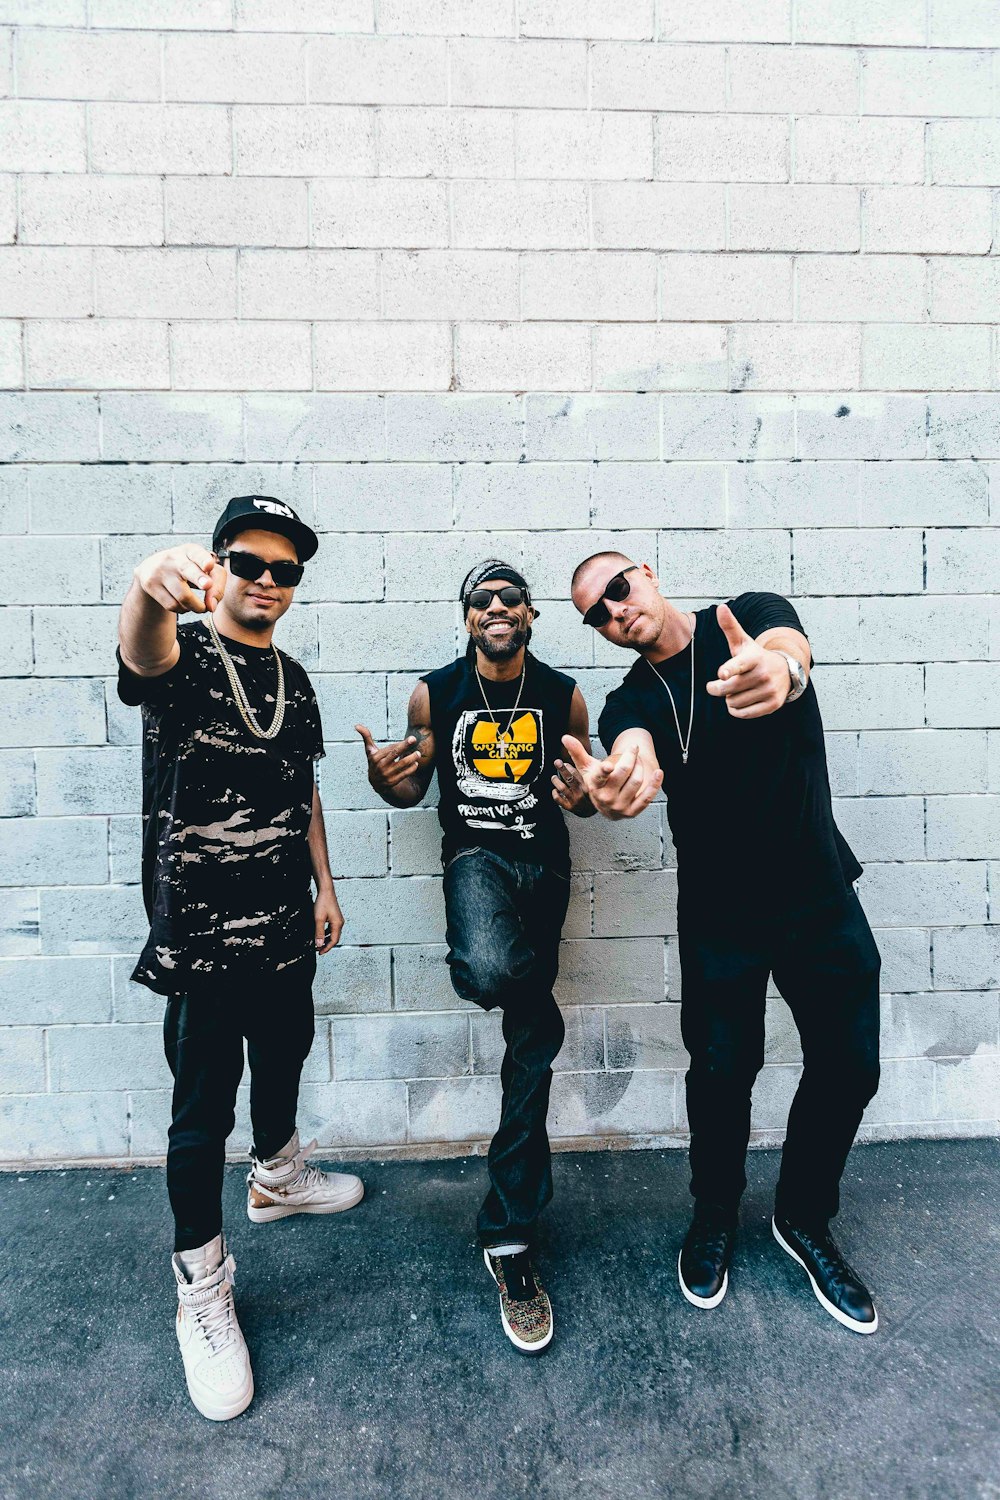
(226, 869)
(495, 765)
(750, 813)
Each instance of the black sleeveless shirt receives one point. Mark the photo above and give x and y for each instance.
(495, 766)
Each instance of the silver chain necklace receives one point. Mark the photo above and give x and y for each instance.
(239, 692)
(684, 744)
(517, 701)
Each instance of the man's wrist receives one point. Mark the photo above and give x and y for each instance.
(795, 672)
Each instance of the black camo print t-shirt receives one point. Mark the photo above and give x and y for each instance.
(226, 870)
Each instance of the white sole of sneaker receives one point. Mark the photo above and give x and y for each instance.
(824, 1302)
(218, 1411)
(520, 1344)
(286, 1210)
(702, 1301)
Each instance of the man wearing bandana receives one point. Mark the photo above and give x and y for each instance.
(491, 725)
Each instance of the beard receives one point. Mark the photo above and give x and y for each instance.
(250, 616)
(500, 650)
(642, 637)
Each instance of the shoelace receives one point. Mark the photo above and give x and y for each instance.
(217, 1318)
(310, 1177)
(709, 1237)
(824, 1251)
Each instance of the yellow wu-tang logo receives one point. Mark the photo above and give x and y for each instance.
(505, 755)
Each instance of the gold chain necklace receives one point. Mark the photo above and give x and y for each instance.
(517, 701)
(239, 692)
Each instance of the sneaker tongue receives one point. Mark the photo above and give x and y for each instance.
(518, 1276)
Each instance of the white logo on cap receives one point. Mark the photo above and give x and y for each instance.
(273, 508)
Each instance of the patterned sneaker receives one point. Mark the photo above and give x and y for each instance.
(215, 1355)
(525, 1309)
(285, 1185)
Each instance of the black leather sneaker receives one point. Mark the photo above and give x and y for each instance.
(838, 1288)
(703, 1264)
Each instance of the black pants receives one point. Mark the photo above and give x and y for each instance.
(203, 1039)
(505, 918)
(826, 967)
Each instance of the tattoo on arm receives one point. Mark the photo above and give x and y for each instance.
(418, 728)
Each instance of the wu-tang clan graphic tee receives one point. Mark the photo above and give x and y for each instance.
(495, 764)
(226, 870)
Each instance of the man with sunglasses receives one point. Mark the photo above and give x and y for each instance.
(491, 724)
(720, 711)
(232, 838)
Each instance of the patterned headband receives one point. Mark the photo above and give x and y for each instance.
(493, 567)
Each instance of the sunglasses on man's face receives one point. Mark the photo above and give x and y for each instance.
(251, 567)
(616, 589)
(510, 596)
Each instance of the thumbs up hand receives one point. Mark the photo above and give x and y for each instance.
(754, 681)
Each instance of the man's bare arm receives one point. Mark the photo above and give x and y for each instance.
(319, 854)
(163, 587)
(328, 919)
(401, 773)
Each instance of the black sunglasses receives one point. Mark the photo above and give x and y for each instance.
(616, 589)
(510, 595)
(251, 567)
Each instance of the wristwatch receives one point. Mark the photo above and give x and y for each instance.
(797, 673)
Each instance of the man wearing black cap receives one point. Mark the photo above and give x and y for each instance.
(491, 724)
(232, 838)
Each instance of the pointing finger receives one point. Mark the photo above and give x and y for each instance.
(217, 577)
(731, 628)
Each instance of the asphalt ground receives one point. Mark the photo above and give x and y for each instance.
(382, 1371)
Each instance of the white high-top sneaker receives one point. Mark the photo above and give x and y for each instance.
(215, 1355)
(285, 1185)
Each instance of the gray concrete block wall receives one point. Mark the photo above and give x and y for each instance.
(715, 281)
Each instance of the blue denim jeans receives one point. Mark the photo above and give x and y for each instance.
(505, 918)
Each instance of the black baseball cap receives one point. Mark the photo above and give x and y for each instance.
(264, 513)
